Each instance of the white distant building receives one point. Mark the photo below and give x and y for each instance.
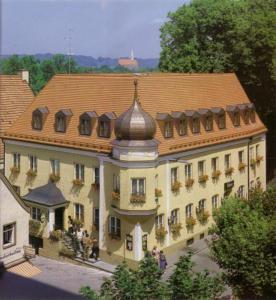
(129, 63)
(14, 224)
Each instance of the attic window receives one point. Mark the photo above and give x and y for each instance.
(236, 118)
(168, 129)
(195, 125)
(38, 117)
(104, 128)
(246, 115)
(182, 126)
(85, 125)
(221, 121)
(62, 118)
(208, 123)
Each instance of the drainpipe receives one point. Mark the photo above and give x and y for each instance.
(248, 166)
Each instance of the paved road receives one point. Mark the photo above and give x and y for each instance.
(57, 281)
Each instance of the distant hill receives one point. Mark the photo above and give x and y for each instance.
(89, 61)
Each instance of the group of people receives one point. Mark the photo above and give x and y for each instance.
(87, 244)
(159, 257)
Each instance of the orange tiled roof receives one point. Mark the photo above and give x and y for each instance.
(15, 96)
(127, 62)
(158, 93)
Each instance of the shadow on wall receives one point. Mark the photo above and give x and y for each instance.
(15, 287)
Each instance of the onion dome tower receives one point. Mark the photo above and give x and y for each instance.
(135, 130)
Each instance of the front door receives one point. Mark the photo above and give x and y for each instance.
(59, 212)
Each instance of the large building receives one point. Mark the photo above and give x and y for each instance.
(15, 96)
(14, 225)
(140, 159)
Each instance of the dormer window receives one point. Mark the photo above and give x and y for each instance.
(181, 121)
(182, 126)
(85, 126)
(62, 119)
(105, 124)
(221, 121)
(236, 118)
(246, 116)
(196, 125)
(168, 129)
(208, 123)
(38, 117)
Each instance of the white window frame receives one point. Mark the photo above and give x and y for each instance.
(116, 182)
(227, 161)
(33, 162)
(196, 125)
(188, 171)
(215, 201)
(174, 175)
(79, 171)
(175, 216)
(104, 128)
(159, 221)
(36, 213)
(182, 126)
(10, 237)
(138, 190)
(241, 156)
(114, 228)
(79, 211)
(201, 171)
(215, 163)
(202, 204)
(208, 123)
(55, 166)
(189, 210)
(97, 175)
(16, 160)
(221, 121)
(168, 129)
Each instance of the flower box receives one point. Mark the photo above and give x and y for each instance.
(203, 216)
(229, 171)
(190, 222)
(54, 177)
(158, 193)
(78, 182)
(241, 166)
(259, 158)
(203, 178)
(15, 170)
(175, 228)
(189, 182)
(253, 163)
(115, 196)
(216, 174)
(176, 186)
(114, 236)
(31, 173)
(95, 186)
(160, 233)
(137, 198)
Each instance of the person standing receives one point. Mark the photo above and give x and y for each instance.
(95, 250)
(86, 245)
(70, 225)
(162, 261)
(79, 238)
(155, 253)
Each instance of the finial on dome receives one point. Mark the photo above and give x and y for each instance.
(135, 91)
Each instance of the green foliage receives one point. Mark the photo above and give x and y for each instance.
(186, 285)
(88, 293)
(34, 228)
(246, 243)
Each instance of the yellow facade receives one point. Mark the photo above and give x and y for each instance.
(157, 174)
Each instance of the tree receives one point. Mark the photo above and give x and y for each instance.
(186, 285)
(246, 246)
(227, 36)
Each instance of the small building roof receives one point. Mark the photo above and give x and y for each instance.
(47, 195)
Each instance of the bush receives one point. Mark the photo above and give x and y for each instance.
(55, 235)
(34, 228)
(64, 251)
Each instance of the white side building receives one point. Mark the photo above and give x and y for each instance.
(14, 224)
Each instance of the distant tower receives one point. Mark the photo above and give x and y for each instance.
(132, 54)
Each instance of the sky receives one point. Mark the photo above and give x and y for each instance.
(107, 28)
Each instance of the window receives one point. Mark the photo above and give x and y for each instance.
(214, 164)
(182, 127)
(251, 185)
(236, 118)
(168, 129)
(209, 123)
(221, 121)
(104, 128)
(188, 210)
(241, 156)
(188, 171)
(201, 204)
(36, 213)
(9, 235)
(138, 186)
(174, 175)
(195, 125)
(252, 116)
(251, 153)
(227, 161)
(60, 123)
(97, 176)
(79, 212)
(215, 200)
(246, 115)
(175, 216)
(116, 183)
(96, 217)
(37, 120)
(241, 191)
(33, 163)
(79, 172)
(114, 226)
(16, 160)
(257, 150)
(85, 126)
(201, 168)
(159, 221)
(55, 167)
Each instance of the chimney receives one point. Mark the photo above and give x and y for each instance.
(25, 75)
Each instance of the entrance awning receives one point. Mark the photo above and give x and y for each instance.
(46, 195)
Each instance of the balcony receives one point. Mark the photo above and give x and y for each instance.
(138, 198)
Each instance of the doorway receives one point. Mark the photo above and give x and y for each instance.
(59, 213)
